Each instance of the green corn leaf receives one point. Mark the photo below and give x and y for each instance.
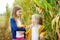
(48, 5)
(38, 3)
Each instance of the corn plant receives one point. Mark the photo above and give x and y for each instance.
(49, 11)
(7, 33)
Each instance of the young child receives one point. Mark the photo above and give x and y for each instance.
(34, 33)
(17, 24)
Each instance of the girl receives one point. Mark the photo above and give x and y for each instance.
(16, 22)
(36, 28)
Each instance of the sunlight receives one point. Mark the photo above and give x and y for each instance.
(3, 5)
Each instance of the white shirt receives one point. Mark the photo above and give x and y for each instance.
(35, 35)
(18, 34)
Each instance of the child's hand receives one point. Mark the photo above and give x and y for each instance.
(22, 26)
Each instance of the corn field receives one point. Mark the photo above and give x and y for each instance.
(49, 9)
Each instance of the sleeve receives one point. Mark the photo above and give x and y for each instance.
(14, 26)
(41, 28)
(43, 33)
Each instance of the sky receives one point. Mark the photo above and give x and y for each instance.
(3, 5)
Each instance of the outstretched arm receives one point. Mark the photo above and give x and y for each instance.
(14, 26)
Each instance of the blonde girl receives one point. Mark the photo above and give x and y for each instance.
(36, 28)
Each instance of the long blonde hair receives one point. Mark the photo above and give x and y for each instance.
(38, 17)
(15, 9)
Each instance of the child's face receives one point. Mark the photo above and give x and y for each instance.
(18, 13)
(33, 20)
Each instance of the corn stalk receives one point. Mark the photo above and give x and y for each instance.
(47, 8)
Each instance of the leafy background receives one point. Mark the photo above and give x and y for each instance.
(49, 9)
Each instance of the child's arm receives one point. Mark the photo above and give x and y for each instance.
(14, 26)
(28, 31)
(41, 28)
(22, 26)
(42, 32)
(42, 35)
